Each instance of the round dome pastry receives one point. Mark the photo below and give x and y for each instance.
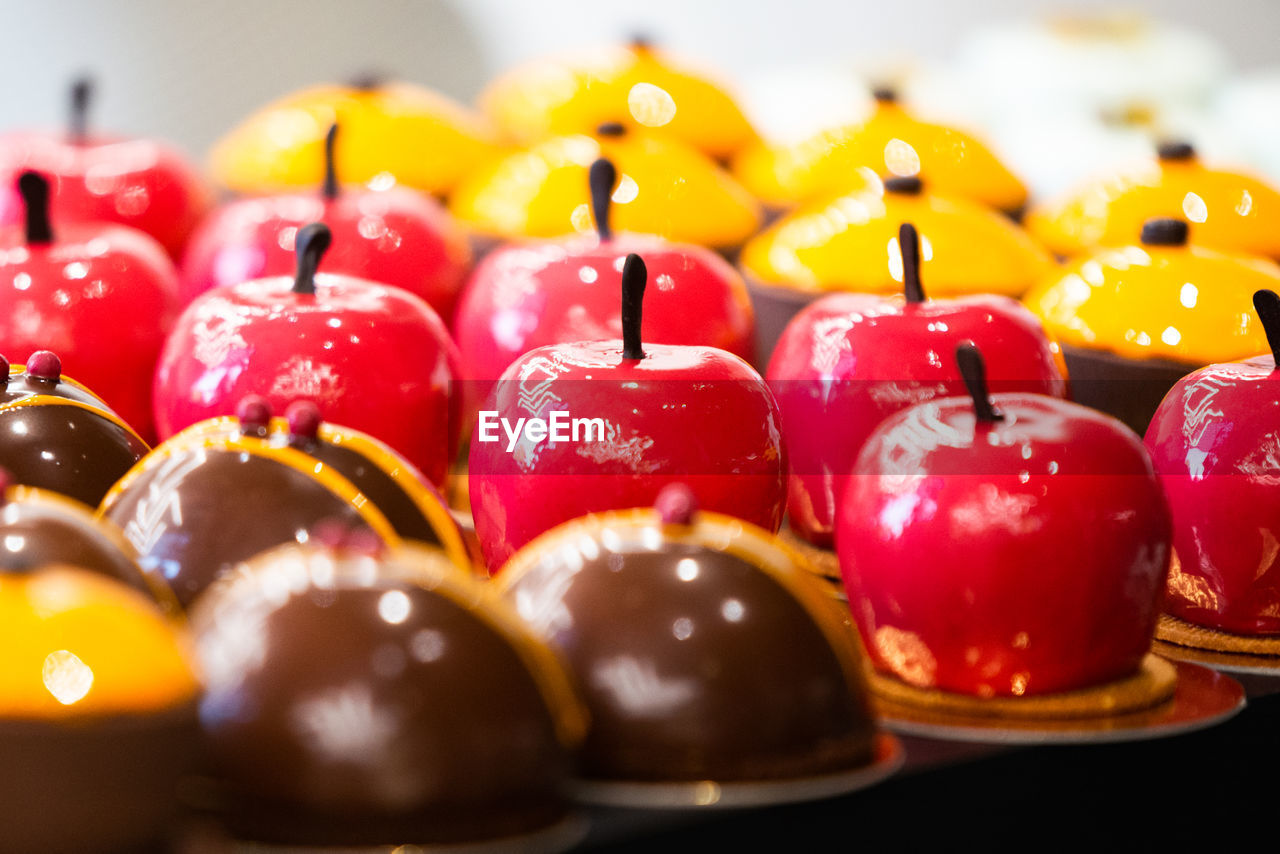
(98, 713)
(703, 648)
(1226, 210)
(1134, 319)
(39, 528)
(638, 82)
(891, 140)
(850, 244)
(387, 697)
(59, 436)
(226, 489)
(409, 134)
(665, 187)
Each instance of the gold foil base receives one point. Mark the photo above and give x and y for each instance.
(1153, 684)
(1178, 632)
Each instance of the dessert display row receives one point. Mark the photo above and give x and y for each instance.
(461, 509)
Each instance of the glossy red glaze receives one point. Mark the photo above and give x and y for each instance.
(693, 414)
(102, 298)
(1215, 441)
(531, 295)
(393, 236)
(848, 361)
(371, 356)
(1022, 556)
(140, 183)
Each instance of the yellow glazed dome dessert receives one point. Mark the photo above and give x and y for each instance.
(422, 139)
(636, 83)
(665, 187)
(850, 244)
(1134, 319)
(890, 141)
(1226, 210)
(97, 713)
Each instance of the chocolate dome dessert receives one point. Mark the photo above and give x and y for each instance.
(386, 698)
(97, 715)
(226, 489)
(703, 648)
(40, 528)
(58, 435)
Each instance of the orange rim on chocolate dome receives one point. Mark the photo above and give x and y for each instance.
(665, 187)
(722, 616)
(851, 244)
(289, 473)
(41, 527)
(1226, 210)
(59, 436)
(407, 133)
(891, 141)
(1163, 298)
(636, 82)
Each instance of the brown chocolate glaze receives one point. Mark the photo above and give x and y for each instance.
(103, 786)
(68, 449)
(695, 664)
(21, 384)
(213, 508)
(363, 722)
(384, 492)
(38, 533)
(1129, 389)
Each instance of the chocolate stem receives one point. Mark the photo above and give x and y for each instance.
(601, 178)
(310, 245)
(34, 189)
(1267, 305)
(81, 93)
(909, 245)
(634, 276)
(330, 188)
(369, 80)
(974, 372)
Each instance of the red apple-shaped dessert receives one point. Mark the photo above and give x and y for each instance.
(384, 233)
(101, 296)
(848, 361)
(1004, 545)
(56, 435)
(1215, 443)
(598, 425)
(528, 295)
(140, 183)
(373, 357)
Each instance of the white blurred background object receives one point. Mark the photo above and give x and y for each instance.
(187, 71)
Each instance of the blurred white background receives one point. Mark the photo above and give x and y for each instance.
(186, 71)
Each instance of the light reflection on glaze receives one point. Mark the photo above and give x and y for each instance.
(1218, 453)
